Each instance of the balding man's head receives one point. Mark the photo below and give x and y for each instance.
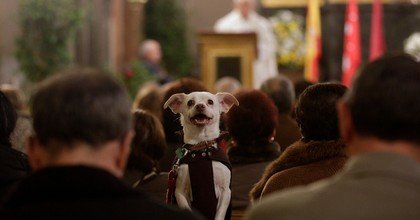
(245, 7)
(150, 50)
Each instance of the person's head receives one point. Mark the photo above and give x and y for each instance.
(280, 90)
(245, 7)
(316, 112)
(383, 104)
(227, 84)
(80, 117)
(148, 144)
(150, 50)
(8, 118)
(254, 120)
(171, 121)
(149, 98)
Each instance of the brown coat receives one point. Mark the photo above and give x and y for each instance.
(301, 163)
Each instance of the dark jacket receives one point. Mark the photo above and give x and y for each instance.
(287, 131)
(14, 167)
(248, 164)
(302, 163)
(78, 192)
(154, 186)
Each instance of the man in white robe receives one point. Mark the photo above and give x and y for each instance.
(244, 19)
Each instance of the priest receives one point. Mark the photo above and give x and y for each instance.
(244, 19)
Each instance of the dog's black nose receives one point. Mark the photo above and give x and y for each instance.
(200, 107)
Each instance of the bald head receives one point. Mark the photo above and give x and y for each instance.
(245, 7)
(150, 50)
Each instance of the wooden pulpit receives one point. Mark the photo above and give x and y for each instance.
(227, 55)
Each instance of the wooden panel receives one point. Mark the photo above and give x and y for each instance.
(213, 46)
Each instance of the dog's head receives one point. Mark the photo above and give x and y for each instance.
(200, 108)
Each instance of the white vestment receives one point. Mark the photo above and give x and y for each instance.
(266, 65)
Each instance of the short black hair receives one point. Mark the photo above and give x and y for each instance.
(316, 111)
(80, 105)
(8, 118)
(384, 101)
(280, 89)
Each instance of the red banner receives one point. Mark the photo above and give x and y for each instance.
(352, 57)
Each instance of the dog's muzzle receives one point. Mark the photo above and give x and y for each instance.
(200, 119)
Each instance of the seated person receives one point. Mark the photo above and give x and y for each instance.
(280, 90)
(82, 125)
(14, 165)
(151, 57)
(379, 120)
(147, 149)
(251, 125)
(320, 153)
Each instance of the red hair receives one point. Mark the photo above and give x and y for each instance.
(254, 120)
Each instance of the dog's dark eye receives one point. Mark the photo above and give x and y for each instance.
(190, 103)
(210, 102)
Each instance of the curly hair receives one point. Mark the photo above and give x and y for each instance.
(254, 120)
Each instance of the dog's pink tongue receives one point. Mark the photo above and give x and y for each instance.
(201, 121)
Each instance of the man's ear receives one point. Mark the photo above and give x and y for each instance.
(345, 122)
(226, 101)
(175, 102)
(35, 153)
(124, 150)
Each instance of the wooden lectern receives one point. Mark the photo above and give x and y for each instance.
(227, 55)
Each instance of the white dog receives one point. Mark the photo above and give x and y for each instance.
(200, 117)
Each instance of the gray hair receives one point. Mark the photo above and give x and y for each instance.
(147, 46)
(281, 91)
(227, 84)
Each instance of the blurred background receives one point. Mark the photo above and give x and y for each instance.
(39, 37)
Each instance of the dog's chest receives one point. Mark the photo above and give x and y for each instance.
(207, 154)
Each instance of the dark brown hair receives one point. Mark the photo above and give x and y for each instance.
(254, 120)
(80, 105)
(384, 100)
(8, 118)
(148, 144)
(316, 112)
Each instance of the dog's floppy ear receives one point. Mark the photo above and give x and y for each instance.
(175, 102)
(226, 101)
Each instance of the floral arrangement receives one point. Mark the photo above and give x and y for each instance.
(289, 29)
